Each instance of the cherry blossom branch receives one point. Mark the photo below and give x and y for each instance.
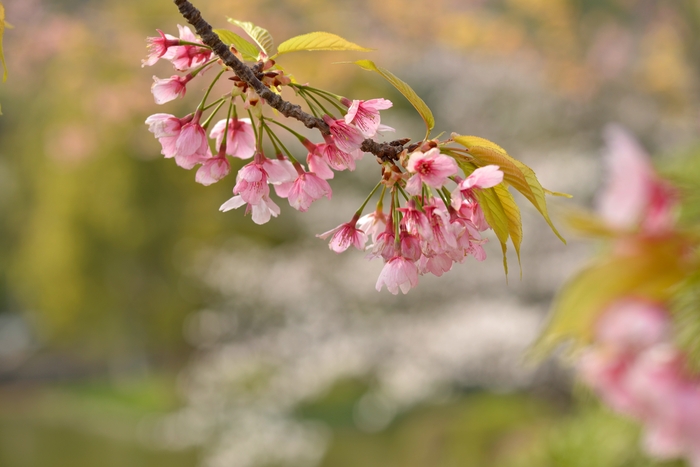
(384, 151)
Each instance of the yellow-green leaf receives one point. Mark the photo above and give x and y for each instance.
(404, 89)
(515, 224)
(522, 177)
(318, 41)
(652, 269)
(496, 217)
(261, 36)
(247, 50)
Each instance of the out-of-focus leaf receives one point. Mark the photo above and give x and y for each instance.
(588, 224)
(247, 50)
(686, 315)
(261, 36)
(404, 89)
(649, 269)
(318, 41)
(496, 216)
(557, 193)
(522, 177)
(515, 224)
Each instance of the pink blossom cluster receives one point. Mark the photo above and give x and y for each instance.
(426, 235)
(436, 227)
(638, 371)
(185, 53)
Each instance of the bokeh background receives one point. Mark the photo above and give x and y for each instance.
(139, 326)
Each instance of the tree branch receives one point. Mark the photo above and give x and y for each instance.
(385, 151)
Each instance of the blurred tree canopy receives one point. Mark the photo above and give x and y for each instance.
(99, 233)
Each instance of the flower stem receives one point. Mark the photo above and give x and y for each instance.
(358, 213)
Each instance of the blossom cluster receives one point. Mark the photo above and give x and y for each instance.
(434, 228)
(634, 362)
(637, 370)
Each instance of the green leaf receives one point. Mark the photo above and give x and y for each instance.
(497, 218)
(404, 89)
(247, 50)
(517, 174)
(686, 317)
(515, 223)
(651, 269)
(318, 41)
(261, 36)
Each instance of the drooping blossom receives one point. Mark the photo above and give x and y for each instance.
(373, 223)
(410, 246)
(415, 221)
(261, 211)
(318, 164)
(252, 187)
(346, 235)
(307, 188)
(398, 273)
(431, 168)
(337, 158)
(365, 114)
(441, 238)
(164, 125)
(168, 89)
(191, 145)
(240, 139)
(180, 138)
(158, 47)
(252, 179)
(347, 138)
(213, 170)
(436, 264)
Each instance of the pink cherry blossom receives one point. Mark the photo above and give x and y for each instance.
(213, 170)
(436, 264)
(181, 138)
(365, 114)
(384, 244)
(191, 145)
(431, 168)
(251, 183)
(632, 325)
(186, 57)
(346, 235)
(635, 195)
(398, 273)
(317, 164)
(442, 238)
(410, 246)
(337, 158)
(240, 140)
(261, 211)
(158, 47)
(166, 90)
(307, 188)
(372, 224)
(483, 177)
(347, 138)
(164, 125)
(415, 221)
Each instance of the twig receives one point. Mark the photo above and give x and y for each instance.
(385, 151)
